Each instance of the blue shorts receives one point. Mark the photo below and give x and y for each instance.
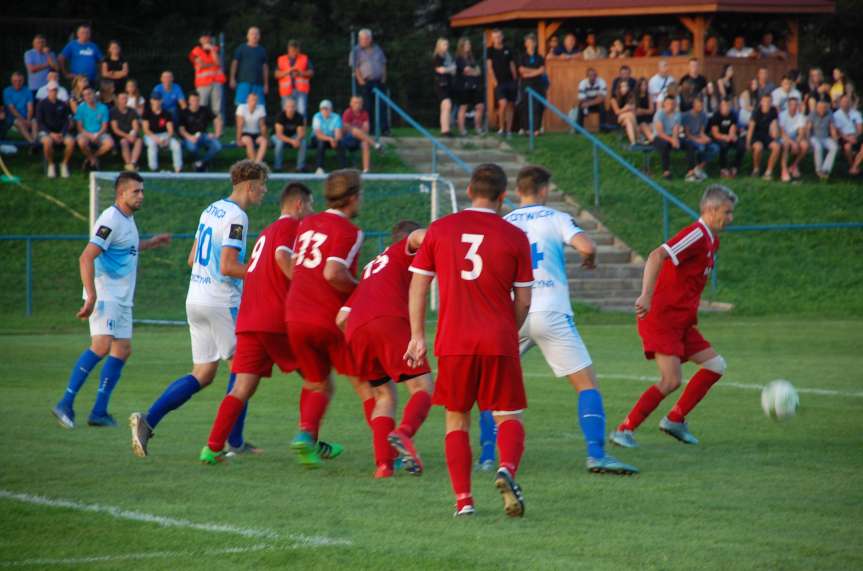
(350, 143)
(243, 90)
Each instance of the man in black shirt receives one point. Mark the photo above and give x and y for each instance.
(697, 85)
(52, 118)
(194, 121)
(763, 133)
(127, 131)
(722, 128)
(290, 130)
(501, 70)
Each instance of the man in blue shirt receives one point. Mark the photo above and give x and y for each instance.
(18, 101)
(327, 133)
(249, 70)
(81, 56)
(173, 98)
(92, 118)
(39, 61)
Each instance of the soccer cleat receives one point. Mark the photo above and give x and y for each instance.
(513, 497)
(65, 416)
(623, 438)
(610, 465)
(306, 450)
(407, 452)
(466, 510)
(383, 471)
(678, 430)
(212, 458)
(484, 466)
(246, 448)
(141, 434)
(102, 421)
(329, 450)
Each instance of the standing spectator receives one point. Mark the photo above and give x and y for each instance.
(725, 83)
(81, 56)
(711, 46)
(126, 128)
(740, 50)
(814, 88)
(468, 80)
(569, 49)
(294, 72)
(666, 131)
(209, 77)
(763, 133)
(252, 127)
(592, 92)
(618, 50)
(92, 118)
(171, 94)
(838, 88)
(795, 140)
(444, 78)
(693, 75)
(765, 86)
(644, 110)
(623, 105)
(850, 126)
(249, 70)
(659, 83)
(62, 93)
(645, 47)
(700, 148)
(502, 73)
(355, 125)
(531, 70)
(159, 134)
(783, 93)
(76, 96)
(195, 122)
(18, 101)
(767, 49)
(290, 129)
(52, 117)
(327, 132)
(106, 92)
(823, 136)
(39, 62)
(552, 44)
(135, 100)
(370, 70)
(725, 133)
(115, 67)
(591, 51)
(624, 75)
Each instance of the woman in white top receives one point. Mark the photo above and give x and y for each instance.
(136, 100)
(252, 128)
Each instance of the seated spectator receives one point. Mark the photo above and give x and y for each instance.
(624, 74)
(767, 49)
(629, 42)
(4, 126)
(81, 56)
(252, 128)
(195, 122)
(763, 133)
(444, 78)
(39, 61)
(92, 118)
(126, 128)
(569, 49)
(62, 93)
(552, 44)
(290, 129)
(294, 72)
(724, 132)
(645, 47)
(666, 131)
(837, 89)
(135, 100)
(783, 93)
(711, 46)
(725, 83)
(173, 98)
(823, 136)
(76, 95)
(765, 86)
(746, 103)
(852, 95)
(814, 88)
(673, 49)
(700, 148)
(327, 133)
(355, 123)
(592, 92)
(159, 134)
(53, 119)
(740, 49)
(106, 92)
(18, 101)
(849, 124)
(115, 68)
(659, 83)
(644, 110)
(618, 50)
(795, 141)
(591, 51)
(531, 72)
(209, 77)
(468, 84)
(623, 104)
(685, 47)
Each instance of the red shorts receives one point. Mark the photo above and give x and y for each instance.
(317, 350)
(257, 351)
(681, 342)
(494, 382)
(378, 348)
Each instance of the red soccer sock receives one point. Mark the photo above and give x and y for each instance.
(368, 409)
(415, 413)
(381, 428)
(313, 406)
(648, 402)
(458, 461)
(695, 390)
(229, 411)
(510, 444)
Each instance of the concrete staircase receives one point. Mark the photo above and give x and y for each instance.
(616, 281)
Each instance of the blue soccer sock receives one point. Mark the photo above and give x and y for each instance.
(86, 362)
(487, 435)
(173, 398)
(109, 378)
(591, 416)
(235, 439)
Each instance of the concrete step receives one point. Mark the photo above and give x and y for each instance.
(607, 286)
(604, 255)
(467, 143)
(450, 169)
(472, 156)
(622, 296)
(605, 271)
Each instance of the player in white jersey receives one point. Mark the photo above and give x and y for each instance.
(550, 325)
(109, 265)
(217, 259)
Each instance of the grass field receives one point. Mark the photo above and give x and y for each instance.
(755, 494)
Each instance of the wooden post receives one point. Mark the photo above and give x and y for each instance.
(793, 40)
(697, 26)
(541, 37)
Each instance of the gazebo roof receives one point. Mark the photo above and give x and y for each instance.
(495, 11)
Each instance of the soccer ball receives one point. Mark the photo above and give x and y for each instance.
(779, 399)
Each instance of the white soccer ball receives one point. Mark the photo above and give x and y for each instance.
(779, 399)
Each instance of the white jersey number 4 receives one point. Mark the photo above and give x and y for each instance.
(311, 258)
(475, 259)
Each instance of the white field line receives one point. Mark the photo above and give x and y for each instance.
(721, 383)
(46, 562)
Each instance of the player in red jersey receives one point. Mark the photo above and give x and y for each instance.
(480, 259)
(261, 337)
(323, 272)
(674, 277)
(377, 328)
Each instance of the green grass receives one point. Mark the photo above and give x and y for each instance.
(813, 272)
(755, 495)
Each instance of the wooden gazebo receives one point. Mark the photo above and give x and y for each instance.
(695, 15)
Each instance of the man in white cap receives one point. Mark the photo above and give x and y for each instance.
(327, 133)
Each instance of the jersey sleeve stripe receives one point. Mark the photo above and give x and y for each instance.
(339, 260)
(421, 272)
(345, 308)
(671, 254)
(356, 248)
(523, 284)
(687, 240)
(284, 249)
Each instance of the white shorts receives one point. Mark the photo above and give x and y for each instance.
(558, 339)
(111, 318)
(213, 332)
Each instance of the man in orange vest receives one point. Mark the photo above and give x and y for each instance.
(294, 72)
(209, 78)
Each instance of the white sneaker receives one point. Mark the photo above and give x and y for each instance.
(320, 171)
(52, 170)
(64, 170)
